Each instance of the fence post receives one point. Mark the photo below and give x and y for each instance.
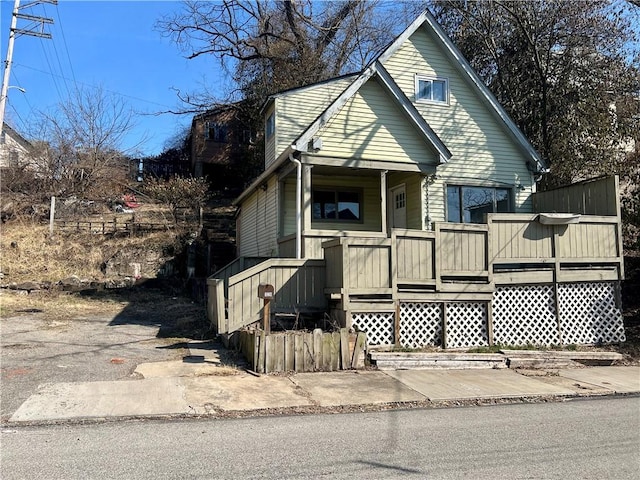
(52, 214)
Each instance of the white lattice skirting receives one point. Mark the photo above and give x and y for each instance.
(587, 313)
(525, 315)
(590, 313)
(466, 324)
(420, 324)
(377, 325)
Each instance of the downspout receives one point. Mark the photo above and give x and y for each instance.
(298, 205)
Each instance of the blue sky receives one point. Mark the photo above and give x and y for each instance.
(112, 45)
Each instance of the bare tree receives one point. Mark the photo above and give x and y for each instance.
(567, 72)
(270, 45)
(178, 192)
(82, 153)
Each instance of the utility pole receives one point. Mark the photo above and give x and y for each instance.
(32, 31)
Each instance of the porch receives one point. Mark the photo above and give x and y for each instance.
(512, 281)
(542, 279)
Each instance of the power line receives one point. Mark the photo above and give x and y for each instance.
(53, 76)
(64, 41)
(94, 86)
(47, 54)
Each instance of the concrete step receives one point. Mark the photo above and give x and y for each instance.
(436, 360)
(558, 359)
(522, 359)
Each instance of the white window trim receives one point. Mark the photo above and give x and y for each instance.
(421, 76)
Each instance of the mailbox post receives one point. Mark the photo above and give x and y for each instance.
(266, 292)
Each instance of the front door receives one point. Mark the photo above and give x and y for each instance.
(398, 207)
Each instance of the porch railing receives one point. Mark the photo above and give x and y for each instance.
(298, 284)
(510, 248)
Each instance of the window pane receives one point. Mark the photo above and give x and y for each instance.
(453, 204)
(424, 89)
(502, 200)
(271, 126)
(323, 204)
(348, 206)
(336, 205)
(476, 201)
(440, 90)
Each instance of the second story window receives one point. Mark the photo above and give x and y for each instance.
(215, 132)
(433, 90)
(270, 127)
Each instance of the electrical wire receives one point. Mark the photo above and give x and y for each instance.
(46, 49)
(64, 41)
(94, 86)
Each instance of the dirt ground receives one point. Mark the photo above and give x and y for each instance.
(53, 338)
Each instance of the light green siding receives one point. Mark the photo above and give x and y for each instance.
(296, 110)
(482, 150)
(413, 189)
(371, 215)
(370, 126)
(257, 223)
(288, 213)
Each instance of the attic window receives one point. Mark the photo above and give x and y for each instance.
(433, 90)
(215, 132)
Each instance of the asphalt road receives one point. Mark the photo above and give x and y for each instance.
(581, 439)
(36, 348)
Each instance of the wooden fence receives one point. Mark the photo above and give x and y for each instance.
(299, 351)
(599, 196)
(110, 227)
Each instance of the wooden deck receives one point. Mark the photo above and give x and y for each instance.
(453, 263)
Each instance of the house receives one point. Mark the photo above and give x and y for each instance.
(402, 201)
(222, 146)
(15, 150)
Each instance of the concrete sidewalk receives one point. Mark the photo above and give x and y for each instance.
(200, 385)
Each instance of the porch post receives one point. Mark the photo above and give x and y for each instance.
(383, 199)
(306, 195)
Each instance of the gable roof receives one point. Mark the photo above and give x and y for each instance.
(376, 68)
(295, 90)
(427, 20)
(24, 143)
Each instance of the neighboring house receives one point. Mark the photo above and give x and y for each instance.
(402, 200)
(15, 151)
(222, 145)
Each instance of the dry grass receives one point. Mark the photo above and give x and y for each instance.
(58, 306)
(29, 253)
